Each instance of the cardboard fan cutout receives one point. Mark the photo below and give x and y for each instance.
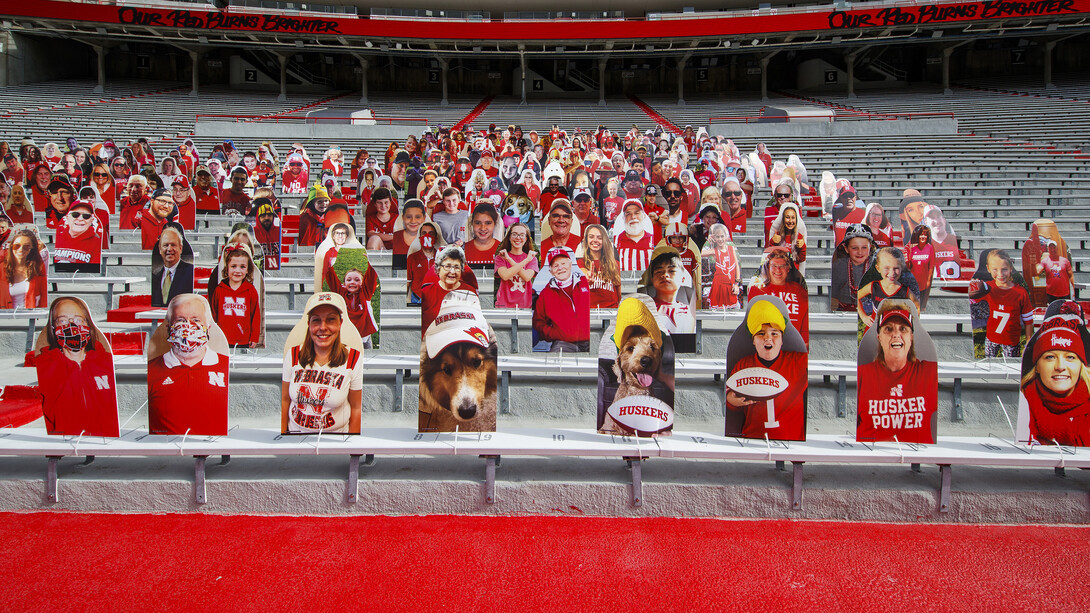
(633, 236)
(940, 237)
(597, 260)
(407, 230)
(1046, 263)
(635, 373)
(188, 371)
(458, 368)
(75, 366)
(25, 252)
(671, 286)
(897, 390)
(1000, 307)
(721, 286)
(322, 382)
(237, 295)
(79, 240)
(171, 266)
(515, 267)
(420, 261)
(889, 278)
(1054, 403)
(779, 276)
(341, 266)
(267, 232)
(766, 375)
(561, 321)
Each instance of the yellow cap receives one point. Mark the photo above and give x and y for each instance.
(764, 312)
(633, 312)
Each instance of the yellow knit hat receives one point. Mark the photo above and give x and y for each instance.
(764, 312)
(633, 312)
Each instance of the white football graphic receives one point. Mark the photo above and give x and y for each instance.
(757, 383)
(644, 414)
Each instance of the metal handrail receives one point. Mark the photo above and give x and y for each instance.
(310, 118)
(834, 117)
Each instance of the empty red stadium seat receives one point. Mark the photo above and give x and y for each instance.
(127, 308)
(127, 343)
(19, 405)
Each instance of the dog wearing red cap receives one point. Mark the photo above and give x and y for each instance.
(458, 368)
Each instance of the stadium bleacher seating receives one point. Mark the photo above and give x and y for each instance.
(1015, 159)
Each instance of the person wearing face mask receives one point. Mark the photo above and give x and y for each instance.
(79, 238)
(175, 277)
(187, 383)
(75, 365)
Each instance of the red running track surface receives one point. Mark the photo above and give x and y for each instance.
(97, 562)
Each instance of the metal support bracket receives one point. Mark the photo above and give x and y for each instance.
(399, 384)
(199, 491)
(781, 465)
(959, 413)
(30, 335)
(490, 464)
(51, 481)
(634, 464)
(796, 485)
(353, 477)
(514, 334)
(915, 467)
(505, 392)
(841, 396)
(944, 488)
(291, 296)
(1060, 471)
(699, 336)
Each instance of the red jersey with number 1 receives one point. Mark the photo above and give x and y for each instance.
(782, 418)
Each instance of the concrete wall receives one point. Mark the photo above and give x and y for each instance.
(811, 75)
(516, 78)
(29, 59)
(914, 127)
(334, 131)
(239, 67)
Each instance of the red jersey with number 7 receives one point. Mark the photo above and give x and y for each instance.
(1011, 309)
